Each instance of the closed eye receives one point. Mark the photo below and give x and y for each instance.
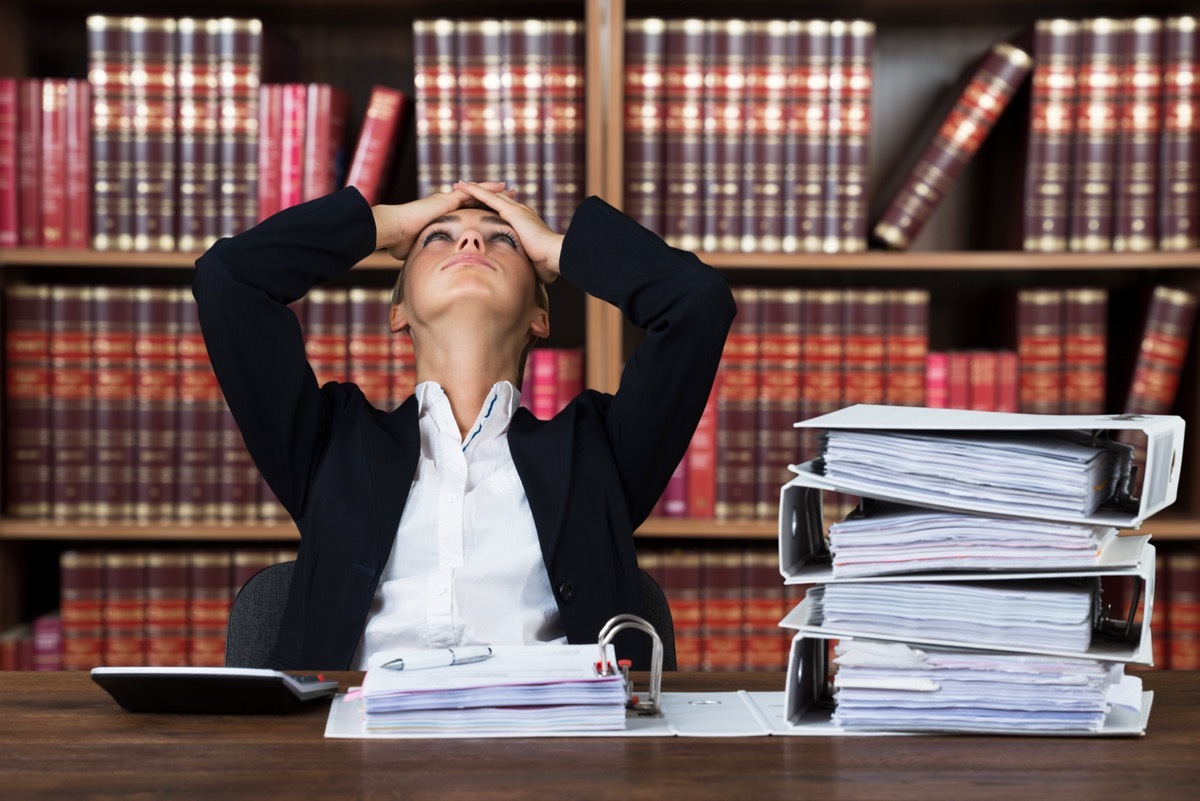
(435, 234)
(505, 236)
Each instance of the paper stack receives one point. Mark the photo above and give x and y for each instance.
(964, 594)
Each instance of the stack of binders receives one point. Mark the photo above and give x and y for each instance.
(983, 584)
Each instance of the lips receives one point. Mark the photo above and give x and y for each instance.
(468, 258)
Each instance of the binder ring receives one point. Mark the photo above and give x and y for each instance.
(633, 705)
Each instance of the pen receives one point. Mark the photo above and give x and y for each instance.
(442, 657)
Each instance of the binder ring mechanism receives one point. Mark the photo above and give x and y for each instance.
(635, 706)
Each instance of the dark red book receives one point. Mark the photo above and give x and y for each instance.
(682, 585)
(152, 58)
(8, 163)
(737, 411)
(112, 152)
(29, 160)
(326, 331)
(198, 93)
(382, 127)
(1135, 216)
(156, 336)
(702, 463)
(823, 359)
(81, 607)
(864, 324)
(1085, 349)
(435, 66)
(570, 375)
(727, 44)
(937, 380)
(983, 387)
(958, 379)
(167, 596)
(210, 573)
(524, 44)
(270, 149)
(1095, 148)
(197, 425)
(683, 134)
(1179, 209)
(855, 135)
(804, 145)
(1007, 382)
(906, 343)
(325, 140)
(52, 164)
(113, 416)
(243, 63)
(762, 608)
(724, 639)
(645, 119)
(78, 235)
(835, 158)
(563, 119)
(674, 498)
(27, 430)
(71, 396)
(403, 375)
(294, 109)
(124, 607)
(1183, 610)
(987, 94)
(480, 71)
(1052, 117)
(765, 118)
(47, 641)
(369, 348)
(1039, 348)
(781, 355)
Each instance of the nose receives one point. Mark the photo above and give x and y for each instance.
(470, 238)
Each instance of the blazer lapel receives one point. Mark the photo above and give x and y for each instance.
(392, 448)
(541, 451)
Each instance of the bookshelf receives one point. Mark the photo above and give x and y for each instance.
(964, 254)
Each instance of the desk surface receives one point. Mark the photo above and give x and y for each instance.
(62, 736)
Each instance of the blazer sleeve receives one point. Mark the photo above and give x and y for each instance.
(685, 309)
(242, 286)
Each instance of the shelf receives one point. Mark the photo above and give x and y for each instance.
(109, 259)
(156, 532)
(687, 528)
(955, 260)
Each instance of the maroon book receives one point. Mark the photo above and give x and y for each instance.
(1039, 339)
(156, 337)
(683, 196)
(682, 584)
(480, 67)
(197, 424)
(1135, 216)
(726, 56)
(81, 608)
(369, 348)
(722, 617)
(855, 135)
(198, 91)
(762, 608)
(563, 120)
(864, 323)
(210, 574)
(906, 346)
(78, 235)
(645, 117)
(240, 49)
(27, 430)
(737, 411)
(293, 107)
(167, 608)
(152, 57)
(1166, 338)
(383, 125)
(29, 148)
(71, 395)
(8, 163)
(435, 64)
(1095, 148)
(1085, 349)
(52, 164)
(124, 607)
(764, 118)
(270, 149)
(1051, 126)
(108, 71)
(804, 145)
(1179, 209)
(835, 133)
(326, 332)
(823, 355)
(113, 420)
(325, 139)
(523, 48)
(781, 355)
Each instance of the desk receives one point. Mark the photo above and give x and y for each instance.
(61, 736)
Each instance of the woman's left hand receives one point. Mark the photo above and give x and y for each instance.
(542, 245)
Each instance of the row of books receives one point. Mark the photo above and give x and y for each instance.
(178, 157)
(132, 606)
(502, 99)
(749, 135)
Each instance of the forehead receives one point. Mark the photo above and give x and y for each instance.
(470, 217)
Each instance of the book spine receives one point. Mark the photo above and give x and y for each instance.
(721, 593)
(1052, 117)
(81, 607)
(563, 117)
(403, 369)
(27, 430)
(835, 133)
(906, 346)
(197, 425)
(523, 47)
(681, 583)
(47, 642)
(324, 147)
(368, 348)
(29, 148)
(570, 376)
(956, 141)
(167, 608)
(152, 59)
(1183, 610)
(765, 118)
(762, 608)
(437, 106)
(52, 163)
(198, 89)
(124, 607)
(1135, 218)
(111, 146)
(240, 54)
(156, 335)
(113, 408)
(544, 373)
(78, 235)
(1096, 135)
(804, 145)
(645, 118)
(823, 343)
(674, 498)
(726, 53)
(375, 149)
(683, 225)
(863, 323)
(1085, 349)
(983, 388)
(1039, 349)
(1164, 346)
(1179, 182)
(9, 227)
(480, 64)
(292, 135)
(781, 352)
(855, 133)
(958, 379)
(71, 396)
(702, 463)
(937, 380)
(326, 331)
(210, 574)
(737, 411)
(270, 149)
(1007, 382)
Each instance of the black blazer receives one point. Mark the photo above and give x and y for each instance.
(343, 468)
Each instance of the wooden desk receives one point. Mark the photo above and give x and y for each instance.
(61, 736)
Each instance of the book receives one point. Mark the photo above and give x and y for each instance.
(563, 118)
(804, 142)
(8, 163)
(378, 138)
(1179, 186)
(737, 411)
(81, 579)
(765, 120)
(29, 162)
(1039, 339)
(111, 145)
(27, 430)
(437, 109)
(1092, 186)
(72, 383)
(683, 134)
(324, 157)
(980, 103)
(152, 100)
(52, 163)
(124, 607)
(1135, 213)
(524, 43)
(723, 110)
(198, 92)
(645, 117)
(1051, 132)
(113, 422)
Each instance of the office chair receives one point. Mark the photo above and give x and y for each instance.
(257, 612)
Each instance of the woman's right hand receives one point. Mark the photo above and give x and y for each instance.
(397, 226)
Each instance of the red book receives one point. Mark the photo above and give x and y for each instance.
(701, 463)
(524, 45)
(937, 380)
(294, 107)
(1179, 180)
(435, 66)
(855, 134)
(152, 57)
(570, 376)
(1159, 630)
(1135, 217)
(156, 337)
(762, 608)
(543, 365)
(835, 132)
(29, 160)
(325, 140)
(481, 129)
(369, 349)
(724, 642)
(113, 421)
(8, 163)
(674, 498)
(958, 137)
(1051, 126)
(71, 395)
(1007, 382)
(1085, 349)
(765, 118)
(198, 91)
(210, 575)
(645, 118)
(403, 377)
(124, 607)
(270, 149)
(78, 166)
(198, 425)
(108, 71)
(958, 379)
(726, 54)
(781, 354)
(681, 583)
(52, 164)
(1096, 134)
(863, 325)
(1183, 610)
(244, 67)
(906, 343)
(81, 580)
(804, 145)
(326, 330)
(378, 138)
(27, 431)
(737, 411)
(823, 343)
(563, 106)
(683, 134)
(47, 642)
(167, 596)
(1039, 348)
(983, 387)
